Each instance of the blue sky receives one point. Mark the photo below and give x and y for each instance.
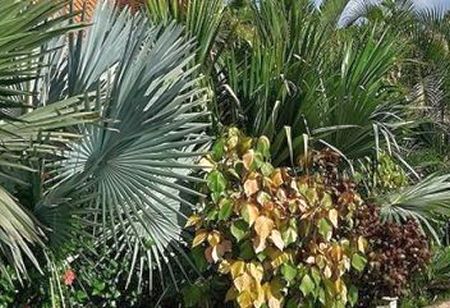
(430, 3)
(422, 3)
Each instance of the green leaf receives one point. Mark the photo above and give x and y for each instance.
(192, 295)
(80, 295)
(212, 214)
(307, 285)
(218, 150)
(199, 258)
(289, 272)
(266, 169)
(292, 303)
(216, 182)
(325, 228)
(246, 251)
(322, 296)
(226, 208)
(98, 287)
(358, 262)
(239, 229)
(353, 295)
(316, 276)
(290, 234)
(338, 304)
(263, 146)
(262, 256)
(259, 160)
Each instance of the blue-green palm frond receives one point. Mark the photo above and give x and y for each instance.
(136, 168)
(428, 202)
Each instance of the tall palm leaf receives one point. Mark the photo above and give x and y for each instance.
(25, 26)
(201, 19)
(303, 73)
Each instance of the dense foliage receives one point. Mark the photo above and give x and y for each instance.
(397, 253)
(273, 232)
(332, 187)
(297, 236)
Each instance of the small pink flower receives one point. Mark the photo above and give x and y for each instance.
(69, 277)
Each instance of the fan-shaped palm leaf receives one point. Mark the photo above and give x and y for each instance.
(427, 201)
(136, 167)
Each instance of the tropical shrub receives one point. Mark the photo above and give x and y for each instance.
(432, 284)
(297, 236)
(398, 252)
(280, 237)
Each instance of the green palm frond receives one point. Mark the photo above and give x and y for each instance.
(438, 274)
(24, 27)
(304, 73)
(18, 234)
(428, 202)
(40, 134)
(34, 133)
(201, 19)
(42, 129)
(134, 171)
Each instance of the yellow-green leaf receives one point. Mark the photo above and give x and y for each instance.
(231, 295)
(224, 267)
(289, 272)
(249, 212)
(216, 181)
(259, 244)
(362, 244)
(226, 208)
(251, 187)
(237, 268)
(244, 300)
(333, 216)
(256, 271)
(239, 229)
(248, 158)
(307, 285)
(243, 282)
(200, 237)
(263, 146)
(325, 229)
(277, 178)
(263, 197)
(263, 226)
(275, 236)
(193, 220)
(353, 295)
(358, 262)
(279, 259)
